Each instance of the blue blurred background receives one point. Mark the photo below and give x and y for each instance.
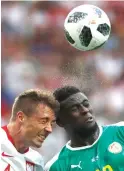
(35, 54)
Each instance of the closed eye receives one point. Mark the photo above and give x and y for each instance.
(86, 103)
(53, 122)
(74, 108)
(44, 121)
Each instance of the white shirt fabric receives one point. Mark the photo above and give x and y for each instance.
(12, 160)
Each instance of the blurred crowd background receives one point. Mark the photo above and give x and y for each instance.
(35, 54)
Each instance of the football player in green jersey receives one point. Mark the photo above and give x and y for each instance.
(91, 147)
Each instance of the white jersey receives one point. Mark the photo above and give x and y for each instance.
(12, 160)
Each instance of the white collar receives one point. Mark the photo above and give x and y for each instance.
(84, 147)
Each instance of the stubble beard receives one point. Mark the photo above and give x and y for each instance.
(85, 131)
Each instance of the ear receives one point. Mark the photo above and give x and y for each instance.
(20, 116)
(59, 123)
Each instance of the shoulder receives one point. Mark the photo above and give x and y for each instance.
(58, 162)
(3, 134)
(3, 137)
(50, 163)
(34, 152)
(115, 129)
(115, 125)
(5, 165)
(35, 156)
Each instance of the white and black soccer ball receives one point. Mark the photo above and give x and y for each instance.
(87, 27)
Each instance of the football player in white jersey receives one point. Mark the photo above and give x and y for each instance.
(32, 118)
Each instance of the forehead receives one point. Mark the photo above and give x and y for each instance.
(74, 99)
(44, 111)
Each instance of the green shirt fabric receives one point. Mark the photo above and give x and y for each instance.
(105, 154)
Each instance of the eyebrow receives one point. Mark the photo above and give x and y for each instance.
(73, 100)
(85, 100)
(76, 103)
(82, 101)
(46, 118)
(54, 120)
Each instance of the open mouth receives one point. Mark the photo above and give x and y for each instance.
(89, 119)
(41, 138)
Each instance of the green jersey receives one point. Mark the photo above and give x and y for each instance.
(105, 154)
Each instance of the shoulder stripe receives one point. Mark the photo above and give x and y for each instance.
(117, 124)
(120, 123)
(51, 162)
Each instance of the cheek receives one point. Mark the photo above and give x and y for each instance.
(31, 130)
(91, 110)
(75, 114)
(74, 118)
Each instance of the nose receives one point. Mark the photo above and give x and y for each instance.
(84, 109)
(48, 128)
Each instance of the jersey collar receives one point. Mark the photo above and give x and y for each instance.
(84, 147)
(10, 137)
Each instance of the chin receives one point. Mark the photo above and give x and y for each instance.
(88, 128)
(36, 145)
(91, 125)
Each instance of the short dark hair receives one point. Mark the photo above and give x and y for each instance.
(64, 92)
(28, 101)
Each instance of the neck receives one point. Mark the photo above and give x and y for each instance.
(78, 140)
(15, 133)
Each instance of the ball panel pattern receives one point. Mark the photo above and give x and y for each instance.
(85, 36)
(69, 38)
(98, 46)
(104, 29)
(76, 17)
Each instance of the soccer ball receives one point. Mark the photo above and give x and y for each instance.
(87, 27)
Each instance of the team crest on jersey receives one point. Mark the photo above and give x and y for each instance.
(115, 148)
(29, 166)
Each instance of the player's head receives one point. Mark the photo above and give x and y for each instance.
(34, 113)
(75, 113)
